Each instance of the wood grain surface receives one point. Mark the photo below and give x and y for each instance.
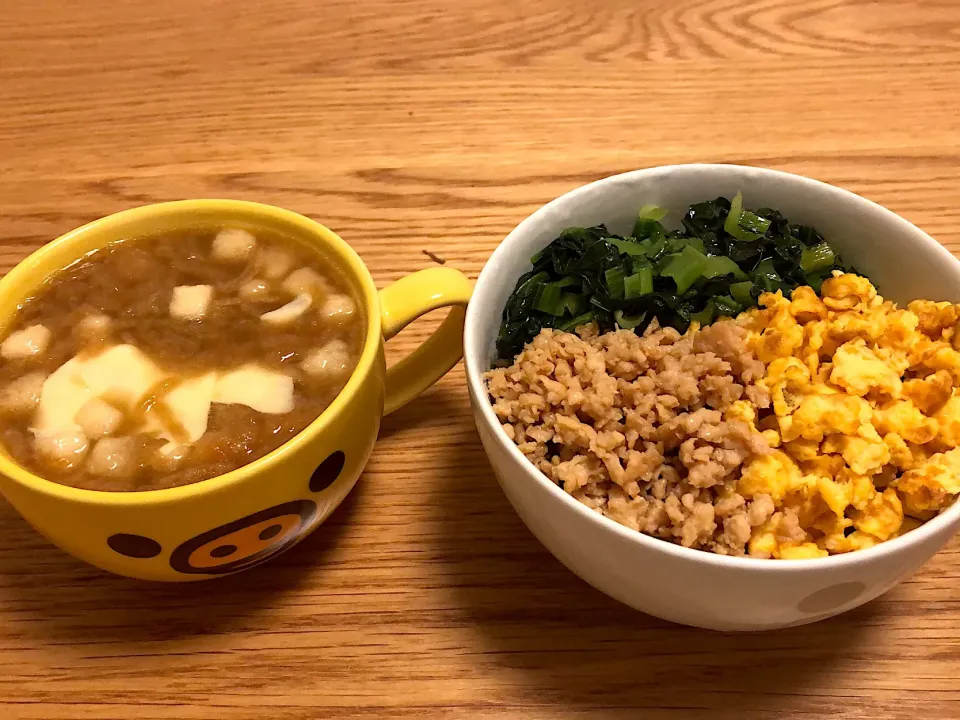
(436, 126)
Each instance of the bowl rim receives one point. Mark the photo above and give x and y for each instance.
(483, 410)
(255, 213)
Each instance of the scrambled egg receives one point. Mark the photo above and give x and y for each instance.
(864, 417)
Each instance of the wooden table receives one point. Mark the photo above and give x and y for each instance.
(436, 126)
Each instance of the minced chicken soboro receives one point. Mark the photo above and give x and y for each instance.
(166, 360)
(639, 428)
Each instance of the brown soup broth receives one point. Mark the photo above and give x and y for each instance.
(131, 294)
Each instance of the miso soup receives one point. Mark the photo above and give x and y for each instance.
(170, 359)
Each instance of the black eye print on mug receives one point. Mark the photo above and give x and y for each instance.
(328, 471)
(223, 551)
(134, 546)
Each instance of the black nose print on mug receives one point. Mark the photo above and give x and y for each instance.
(245, 542)
(223, 551)
(270, 532)
(327, 471)
(134, 546)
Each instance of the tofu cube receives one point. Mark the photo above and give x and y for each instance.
(25, 343)
(332, 361)
(64, 449)
(275, 263)
(257, 388)
(94, 328)
(22, 396)
(98, 418)
(338, 309)
(190, 302)
(233, 245)
(113, 457)
(305, 280)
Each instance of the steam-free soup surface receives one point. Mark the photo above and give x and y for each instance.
(171, 359)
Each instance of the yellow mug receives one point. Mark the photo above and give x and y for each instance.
(240, 519)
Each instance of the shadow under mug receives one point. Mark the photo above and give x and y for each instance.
(242, 518)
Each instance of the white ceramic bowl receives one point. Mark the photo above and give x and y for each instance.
(660, 578)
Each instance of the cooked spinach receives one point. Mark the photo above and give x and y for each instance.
(717, 265)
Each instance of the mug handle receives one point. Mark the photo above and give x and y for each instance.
(403, 302)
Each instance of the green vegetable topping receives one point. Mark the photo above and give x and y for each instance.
(743, 224)
(626, 322)
(638, 284)
(716, 265)
(741, 293)
(726, 306)
(548, 300)
(685, 267)
(579, 320)
(629, 247)
(816, 258)
(648, 222)
(652, 212)
(614, 279)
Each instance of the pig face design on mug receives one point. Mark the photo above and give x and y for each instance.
(241, 543)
